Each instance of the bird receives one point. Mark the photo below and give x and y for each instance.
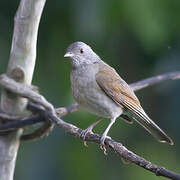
(100, 90)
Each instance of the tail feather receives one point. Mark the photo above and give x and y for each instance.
(142, 118)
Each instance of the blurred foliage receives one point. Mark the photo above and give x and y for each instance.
(140, 39)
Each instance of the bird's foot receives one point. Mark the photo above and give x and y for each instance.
(102, 145)
(88, 130)
(84, 133)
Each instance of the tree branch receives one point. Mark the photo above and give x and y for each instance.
(47, 113)
(155, 80)
(20, 68)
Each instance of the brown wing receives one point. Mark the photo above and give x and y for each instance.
(120, 92)
(115, 87)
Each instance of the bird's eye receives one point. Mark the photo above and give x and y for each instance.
(81, 50)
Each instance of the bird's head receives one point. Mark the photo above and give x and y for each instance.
(81, 54)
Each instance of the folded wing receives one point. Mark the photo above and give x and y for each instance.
(120, 92)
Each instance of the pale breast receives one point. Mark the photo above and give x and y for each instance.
(88, 94)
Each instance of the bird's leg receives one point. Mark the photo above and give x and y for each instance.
(89, 130)
(104, 135)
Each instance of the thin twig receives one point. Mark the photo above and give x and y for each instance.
(22, 123)
(41, 132)
(155, 80)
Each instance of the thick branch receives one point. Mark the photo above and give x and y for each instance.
(20, 68)
(6, 117)
(17, 88)
(75, 131)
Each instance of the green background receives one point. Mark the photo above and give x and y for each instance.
(140, 38)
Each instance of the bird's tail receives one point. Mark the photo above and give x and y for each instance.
(142, 118)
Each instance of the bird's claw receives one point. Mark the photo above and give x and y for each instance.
(104, 149)
(83, 135)
(102, 145)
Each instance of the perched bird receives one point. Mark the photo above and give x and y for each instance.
(99, 89)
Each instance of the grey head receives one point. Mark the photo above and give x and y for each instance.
(81, 54)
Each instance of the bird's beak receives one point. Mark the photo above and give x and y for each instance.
(69, 54)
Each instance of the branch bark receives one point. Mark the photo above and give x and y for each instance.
(20, 68)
